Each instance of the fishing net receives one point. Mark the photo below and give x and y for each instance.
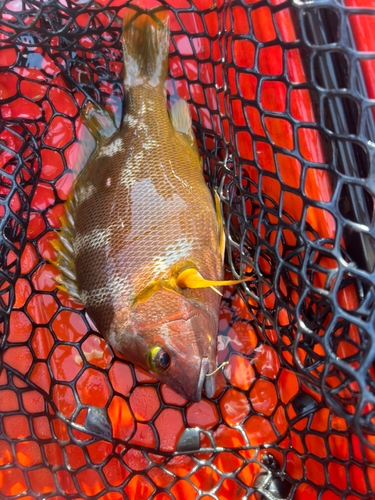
(281, 95)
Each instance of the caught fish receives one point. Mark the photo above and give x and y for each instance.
(141, 243)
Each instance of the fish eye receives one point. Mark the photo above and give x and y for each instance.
(159, 359)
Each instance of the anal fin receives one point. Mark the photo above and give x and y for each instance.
(65, 262)
(181, 121)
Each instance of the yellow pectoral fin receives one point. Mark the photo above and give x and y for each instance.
(191, 278)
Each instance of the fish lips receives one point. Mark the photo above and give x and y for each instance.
(191, 344)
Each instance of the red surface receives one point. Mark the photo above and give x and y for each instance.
(131, 397)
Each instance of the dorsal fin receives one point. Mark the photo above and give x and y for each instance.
(221, 225)
(66, 280)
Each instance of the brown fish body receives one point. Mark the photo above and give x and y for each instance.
(143, 213)
(148, 209)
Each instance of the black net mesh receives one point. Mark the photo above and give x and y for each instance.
(281, 98)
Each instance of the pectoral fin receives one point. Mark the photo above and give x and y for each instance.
(191, 278)
(188, 277)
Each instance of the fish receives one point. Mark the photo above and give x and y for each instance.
(141, 244)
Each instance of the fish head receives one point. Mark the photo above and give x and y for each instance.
(173, 338)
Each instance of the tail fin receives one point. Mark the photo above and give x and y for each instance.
(146, 47)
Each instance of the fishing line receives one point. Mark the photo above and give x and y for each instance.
(217, 369)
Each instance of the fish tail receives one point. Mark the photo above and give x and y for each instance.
(146, 47)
